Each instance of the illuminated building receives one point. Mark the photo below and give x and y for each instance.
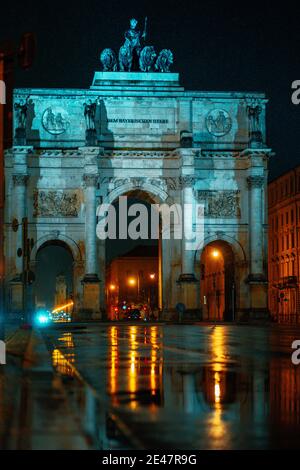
(284, 247)
(142, 133)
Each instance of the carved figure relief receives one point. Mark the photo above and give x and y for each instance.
(56, 203)
(220, 203)
(55, 120)
(218, 122)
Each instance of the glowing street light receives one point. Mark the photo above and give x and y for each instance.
(152, 276)
(112, 287)
(215, 254)
(132, 281)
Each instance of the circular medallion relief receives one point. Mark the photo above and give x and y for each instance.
(218, 122)
(55, 120)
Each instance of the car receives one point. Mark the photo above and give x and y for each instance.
(133, 314)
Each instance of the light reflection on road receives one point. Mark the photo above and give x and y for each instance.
(192, 386)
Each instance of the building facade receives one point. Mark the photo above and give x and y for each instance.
(141, 133)
(284, 247)
(132, 279)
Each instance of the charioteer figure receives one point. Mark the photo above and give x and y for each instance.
(133, 37)
(130, 51)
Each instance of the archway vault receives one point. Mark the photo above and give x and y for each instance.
(237, 249)
(157, 194)
(53, 237)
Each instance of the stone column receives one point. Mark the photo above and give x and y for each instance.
(90, 225)
(255, 185)
(256, 278)
(187, 282)
(91, 290)
(19, 212)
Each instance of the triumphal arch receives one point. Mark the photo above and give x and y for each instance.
(137, 130)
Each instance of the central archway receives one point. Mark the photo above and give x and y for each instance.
(133, 267)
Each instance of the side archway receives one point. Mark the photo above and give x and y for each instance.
(238, 250)
(218, 265)
(55, 237)
(57, 262)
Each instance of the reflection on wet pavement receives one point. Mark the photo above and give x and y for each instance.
(188, 386)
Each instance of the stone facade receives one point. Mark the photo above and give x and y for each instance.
(284, 247)
(150, 135)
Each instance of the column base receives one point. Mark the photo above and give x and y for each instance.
(91, 298)
(16, 290)
(258, 299)
(257, 279)
(189, 294)
(254, 315)
(90, 278)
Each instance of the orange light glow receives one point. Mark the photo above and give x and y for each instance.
(62, 307)
(131, 281)
(215, 253)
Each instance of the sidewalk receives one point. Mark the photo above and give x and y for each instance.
(34, 411)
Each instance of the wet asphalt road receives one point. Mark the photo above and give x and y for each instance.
(186, 386)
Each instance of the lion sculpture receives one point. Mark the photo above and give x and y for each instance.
(164, 60)
(147, 58)
(125, 58)
(108, 60)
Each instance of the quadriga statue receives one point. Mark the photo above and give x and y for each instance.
(125, 58)
(147, 58)
(164, 60)
(108, 60)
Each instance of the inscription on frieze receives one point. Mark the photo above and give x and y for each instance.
(56, 203)
(224, 203)
(137, 119)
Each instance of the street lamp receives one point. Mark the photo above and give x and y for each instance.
(132, 281)
(151, 290)
(215, 254)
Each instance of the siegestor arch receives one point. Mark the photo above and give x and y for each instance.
(57, 238)
(237, 249)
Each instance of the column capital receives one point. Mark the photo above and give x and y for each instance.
(255, 181)
(186, 181)
(20, 179)
(90, 179)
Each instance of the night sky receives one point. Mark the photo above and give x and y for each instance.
(218, 45)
